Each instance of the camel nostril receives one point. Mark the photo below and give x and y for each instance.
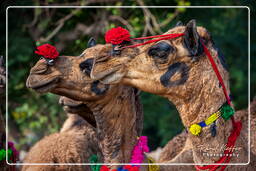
(86, 66)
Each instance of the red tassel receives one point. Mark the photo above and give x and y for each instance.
(117, 36)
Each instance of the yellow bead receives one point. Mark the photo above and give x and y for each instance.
(152, 167)
(212, 118)
(195, 129)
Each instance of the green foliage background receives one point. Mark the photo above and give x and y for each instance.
(31, 116)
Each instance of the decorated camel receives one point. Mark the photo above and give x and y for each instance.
(75, 143)
(116, 108)
(182, 66)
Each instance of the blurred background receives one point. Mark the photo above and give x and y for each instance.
(32, 116)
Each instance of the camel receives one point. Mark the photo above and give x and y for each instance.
(75, 143)
(116, 108)
(179, 70)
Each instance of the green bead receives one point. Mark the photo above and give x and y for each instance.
(226, 112)
(2, 154)
(9, 154)
(94, 159)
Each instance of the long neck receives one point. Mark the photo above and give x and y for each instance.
(202, 97)
(116, 124)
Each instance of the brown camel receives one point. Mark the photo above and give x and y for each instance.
(116, 109)
(179, 70)
(75, 143)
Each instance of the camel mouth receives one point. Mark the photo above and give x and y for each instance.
(44, 86)
(72, 105)
(66, 102)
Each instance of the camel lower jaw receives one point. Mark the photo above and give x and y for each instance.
(70, 103)
(73, 105)
(45, 86)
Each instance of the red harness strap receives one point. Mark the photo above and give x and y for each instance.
(215, 68)
(162, 37)
(237, 126)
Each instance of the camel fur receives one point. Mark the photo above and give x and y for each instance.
(75, 143)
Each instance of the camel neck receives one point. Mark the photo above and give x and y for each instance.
(204, 97)
(116, 124)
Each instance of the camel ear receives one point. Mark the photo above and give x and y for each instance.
(91, 42)
(179, 23)
(192, 38)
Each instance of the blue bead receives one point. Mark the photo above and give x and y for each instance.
(120, 169)
(202, 124)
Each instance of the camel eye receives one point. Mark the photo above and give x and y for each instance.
(161, 51)
(86, 66)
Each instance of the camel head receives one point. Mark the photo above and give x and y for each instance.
(68, 76)
(112, 105)
(167, 67)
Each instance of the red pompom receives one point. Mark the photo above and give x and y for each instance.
(104, 168)
(117, 35)
(48, 51)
